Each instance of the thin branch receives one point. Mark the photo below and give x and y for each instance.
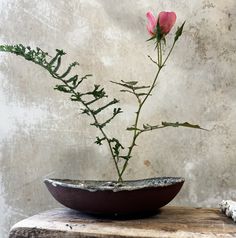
(152, 60)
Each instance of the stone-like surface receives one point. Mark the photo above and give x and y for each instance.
(43, 135)
(130, 185)
(171, 222)
(229, 208)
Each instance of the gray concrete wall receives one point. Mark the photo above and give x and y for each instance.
(43, 135)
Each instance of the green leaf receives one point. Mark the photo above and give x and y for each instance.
(97, 92)
(164, 40)
(132, 129)
(117, 111)
(130, 85)
(86, 76)
(125, 157)
(76, 97)
(142, 94)
(58, 65)
(122, 84)
(185, 124)
(72, 79)
(68, 70)
(96, 124)
(114, 101)
(85, 111)
(141, 87)
(116, 148)
(63, 88)
(179, 32)
(159, 34)
(99, 140)
(152, 38)
(54, 59)
(126, 91)
(146, 126)
(129, 82)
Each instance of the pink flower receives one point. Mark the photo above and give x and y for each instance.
(152, 22)
(166, 22)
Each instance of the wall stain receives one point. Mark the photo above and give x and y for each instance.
(208, 4)
(147, 163)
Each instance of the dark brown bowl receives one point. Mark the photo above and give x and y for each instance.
(110, 198)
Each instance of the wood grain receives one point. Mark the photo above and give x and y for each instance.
(171, 222)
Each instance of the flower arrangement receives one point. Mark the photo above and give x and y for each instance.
(158, 28)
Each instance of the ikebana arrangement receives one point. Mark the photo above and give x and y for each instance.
(158, 28)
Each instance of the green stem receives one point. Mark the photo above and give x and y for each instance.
(137, 133)
(109, 144)
(158, 54)
(31, 55)
(160, 62)
(167, 57)
(101, 130)
(136, 123)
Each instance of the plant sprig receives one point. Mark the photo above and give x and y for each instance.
(160, 63)
(70, 84)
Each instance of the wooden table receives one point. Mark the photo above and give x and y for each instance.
(171, 222)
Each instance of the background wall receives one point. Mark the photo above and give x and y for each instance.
(43, 135)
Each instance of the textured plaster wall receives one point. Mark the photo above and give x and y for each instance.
(43, 135)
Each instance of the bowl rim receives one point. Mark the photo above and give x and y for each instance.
(109, 185)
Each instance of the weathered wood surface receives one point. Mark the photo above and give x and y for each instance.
(171, 222)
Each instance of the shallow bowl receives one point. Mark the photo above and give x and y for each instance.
(112, 198)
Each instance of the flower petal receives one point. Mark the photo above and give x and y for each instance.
(150, 30)
(152, 22)
(166, 21)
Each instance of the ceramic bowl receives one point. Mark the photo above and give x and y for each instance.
(113, 198)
